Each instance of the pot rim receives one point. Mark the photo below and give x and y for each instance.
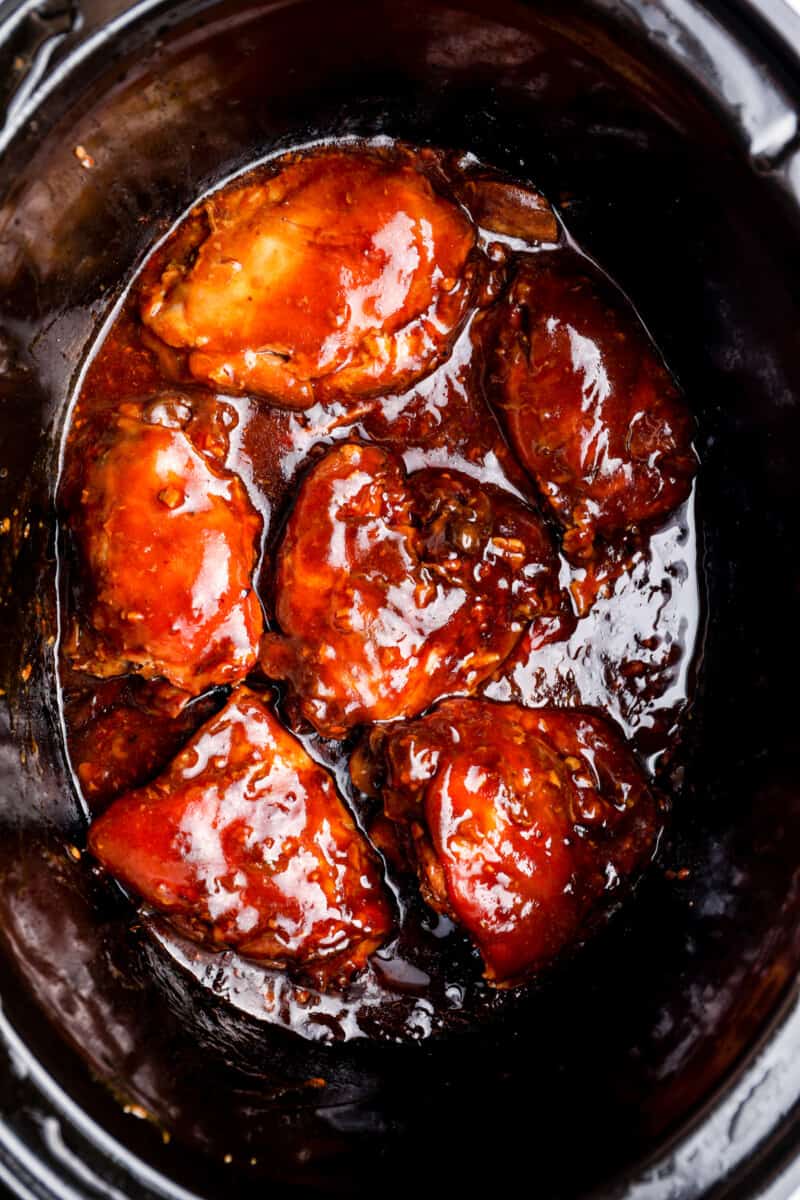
(745, 1139)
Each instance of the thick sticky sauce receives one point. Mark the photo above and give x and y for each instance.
(630, 656)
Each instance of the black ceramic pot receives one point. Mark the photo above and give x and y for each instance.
(666, 1062)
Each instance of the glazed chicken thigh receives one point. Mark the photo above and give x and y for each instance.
(393, 590)
(126, 746)
(589, 406)
(520, 821)
(369, 425)
(169, 541)
(500, 206)
(243, 842)
(344, 274)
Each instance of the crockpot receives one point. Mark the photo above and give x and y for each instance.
(665, 1061)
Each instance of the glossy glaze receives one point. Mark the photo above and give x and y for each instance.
(589, 406)
(441, 456)
(393, 590)
(244, 842)
(520, 821)
(121, 737)
(168, 542)
(341, 275)
(508, 208)
(641, 1029)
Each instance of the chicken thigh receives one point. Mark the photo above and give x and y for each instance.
(521, 822)
(244, 843)
(344, 274)
(168, 541)
(393, 590)
(589, 406)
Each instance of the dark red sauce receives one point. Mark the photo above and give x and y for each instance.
(634, 611)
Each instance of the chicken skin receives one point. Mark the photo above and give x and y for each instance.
(244, 843)
(589, 407)
(344, 274)
(169, 541)
(393, 590)
(520, 821)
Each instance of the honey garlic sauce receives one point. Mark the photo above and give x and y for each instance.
(629, 656)
(356, 305)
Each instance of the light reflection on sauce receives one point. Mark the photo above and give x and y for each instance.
(631, 655)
